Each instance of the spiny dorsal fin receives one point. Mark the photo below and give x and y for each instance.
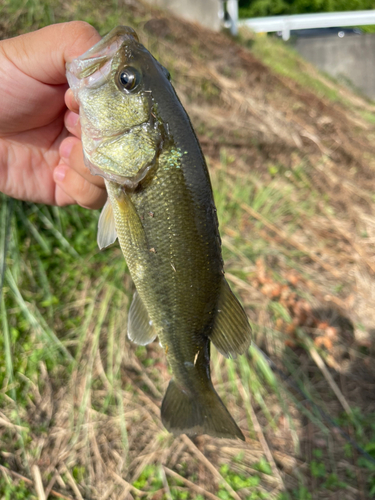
(140, 329)
(106, 227)
(231, 333)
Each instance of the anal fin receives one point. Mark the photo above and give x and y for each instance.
(140, 329)
(231, 332)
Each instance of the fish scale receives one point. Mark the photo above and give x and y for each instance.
(160, 206)
(187, 289)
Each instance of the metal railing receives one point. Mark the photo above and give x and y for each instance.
(228, 14)
(285, 24)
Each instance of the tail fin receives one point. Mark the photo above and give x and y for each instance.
(183, 413)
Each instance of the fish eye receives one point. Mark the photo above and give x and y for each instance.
(128, 78)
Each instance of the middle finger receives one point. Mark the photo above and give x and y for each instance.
(72, 155)
(72, 123)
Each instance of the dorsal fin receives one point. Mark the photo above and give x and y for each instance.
(231, 332)
(140, 329)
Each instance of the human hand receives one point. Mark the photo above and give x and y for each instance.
(41, 156)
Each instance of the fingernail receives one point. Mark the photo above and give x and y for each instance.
(59, 173)
(71, 119)
(66, 148)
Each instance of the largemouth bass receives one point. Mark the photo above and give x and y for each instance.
(138, 137)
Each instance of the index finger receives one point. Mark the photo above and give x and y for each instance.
(59, 44)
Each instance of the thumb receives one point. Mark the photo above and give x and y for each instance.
(43, 54)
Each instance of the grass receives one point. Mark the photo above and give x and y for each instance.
(11, 491)
(81, 403)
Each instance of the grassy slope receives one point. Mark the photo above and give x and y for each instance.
(291, 159)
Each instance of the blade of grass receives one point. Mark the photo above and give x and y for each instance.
(258, 429)
(48, 301)
(292, 241)
(58, 235)
(321, 365)
(30, 483)
(262, 367)
(7, 350)
(39, 237)
(38, 483)
(6, 219)
(124, 432)
(49, 337)
(85, 397)
(210, 467)
(10, 377)
(252, 381)
(189, 484)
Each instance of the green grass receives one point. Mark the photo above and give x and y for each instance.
(12, 491)
(367, 115)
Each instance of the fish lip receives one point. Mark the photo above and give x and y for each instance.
(100, 55)
(102, 51)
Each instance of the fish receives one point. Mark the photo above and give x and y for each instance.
(138, 137)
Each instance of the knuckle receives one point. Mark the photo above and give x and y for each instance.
(83, 35)
(81, 27)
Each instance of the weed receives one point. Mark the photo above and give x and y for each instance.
(13, 491)
(151, 477)
(317, 469)
(301, 493)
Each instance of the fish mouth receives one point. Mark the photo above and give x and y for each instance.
(92, 68)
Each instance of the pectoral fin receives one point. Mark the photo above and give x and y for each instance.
(140, 329)
(126, 218)
(106, 227)
(231, 333)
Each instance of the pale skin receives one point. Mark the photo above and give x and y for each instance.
(41, 156)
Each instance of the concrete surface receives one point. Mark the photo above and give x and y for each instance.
(351, 57)
(205, 12)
